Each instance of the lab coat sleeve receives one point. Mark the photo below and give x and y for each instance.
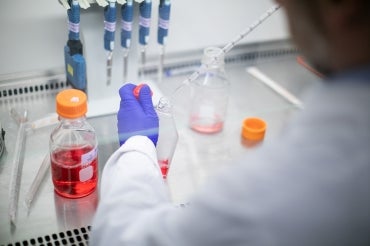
(135, 208)
(131, 184)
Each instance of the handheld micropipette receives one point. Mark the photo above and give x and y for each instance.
(109, 30)
(15, 177)
(231, 44)
(163, 24)
(145, 10)
(127, 12)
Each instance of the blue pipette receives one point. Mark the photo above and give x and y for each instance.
(163, 25)
(145, 10)
(109, 31)
(75, 65)
(127, 13)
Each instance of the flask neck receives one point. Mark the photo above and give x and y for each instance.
(213, 68)
(164, 106)
(78, 121)
(213, 59)
(81, 118)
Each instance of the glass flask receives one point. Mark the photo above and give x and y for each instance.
(167, 136)
(209, 93)
(73, 147)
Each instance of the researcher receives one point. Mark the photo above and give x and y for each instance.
(310, 187)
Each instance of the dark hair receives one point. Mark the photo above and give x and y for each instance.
(364, 12)
(361, 15)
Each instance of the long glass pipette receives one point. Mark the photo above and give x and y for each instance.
(41, 173)
(15, 177)
(231, 44)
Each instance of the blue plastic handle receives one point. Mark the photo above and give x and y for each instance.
(163, 20)
(75, 68)
(127, 12)
(74, 21)
(109, 25)
(145, 10)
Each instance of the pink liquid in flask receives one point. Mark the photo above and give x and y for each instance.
(210, 125)
(71, 178)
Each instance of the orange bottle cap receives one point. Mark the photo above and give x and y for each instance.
(253, 128)
(71, 103)
(137, 90)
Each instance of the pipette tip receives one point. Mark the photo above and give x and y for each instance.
(109, 67)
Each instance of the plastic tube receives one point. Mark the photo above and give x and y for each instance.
(15, 177)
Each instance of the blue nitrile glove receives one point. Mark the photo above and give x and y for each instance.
(136, 116)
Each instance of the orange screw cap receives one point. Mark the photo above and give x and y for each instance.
(71, 103)
(137, 90)
(254, 129)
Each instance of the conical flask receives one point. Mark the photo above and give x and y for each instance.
(167, 137)
(209, 93)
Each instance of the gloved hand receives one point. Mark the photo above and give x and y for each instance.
(136, 116)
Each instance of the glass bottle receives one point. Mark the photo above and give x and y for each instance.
(73, 147)
(167, 136)
(209, 93)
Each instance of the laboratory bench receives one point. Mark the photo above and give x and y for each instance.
(53, 218)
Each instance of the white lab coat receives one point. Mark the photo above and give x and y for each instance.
(310, 187)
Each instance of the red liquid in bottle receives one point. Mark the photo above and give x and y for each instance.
(72, 177)
(164, 165)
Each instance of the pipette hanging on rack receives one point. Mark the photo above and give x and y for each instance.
(163, 25)
(74, 61)
(145, 10)
(109, 31)
(127, 13)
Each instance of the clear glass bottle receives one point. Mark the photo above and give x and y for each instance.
(167, 136)
(209, 93)
(73, 147)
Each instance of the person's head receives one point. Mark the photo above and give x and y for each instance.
(333, 35)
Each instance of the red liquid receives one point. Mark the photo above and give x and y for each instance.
(164, 165)
(208, 129)
(72, 179)
(210, 125)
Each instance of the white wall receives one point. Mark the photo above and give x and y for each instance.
(33, 33)
(216, 22)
